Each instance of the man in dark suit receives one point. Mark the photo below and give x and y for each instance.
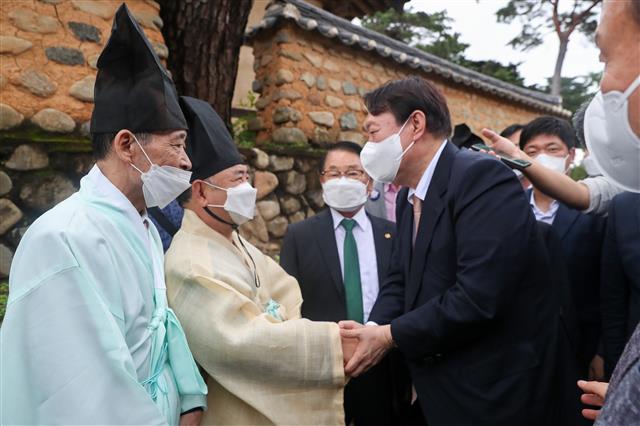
(620, 276)
(468, 299)
(319, 254)
(551, 141)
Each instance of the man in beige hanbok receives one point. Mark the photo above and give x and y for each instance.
(240, 310)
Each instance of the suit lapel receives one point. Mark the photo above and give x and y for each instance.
(383, 250)
(326, 239)
(565, 218)
(432, 209)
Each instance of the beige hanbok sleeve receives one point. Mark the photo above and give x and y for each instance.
(262, 370)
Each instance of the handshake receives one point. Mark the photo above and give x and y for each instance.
(363, 346)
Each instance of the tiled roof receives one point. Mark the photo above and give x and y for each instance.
(311, 18)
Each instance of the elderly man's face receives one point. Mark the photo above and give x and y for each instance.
(618, 38)
(165, 149)
(227, 178)
(341, 163)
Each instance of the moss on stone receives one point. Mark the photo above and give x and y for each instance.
(71, 142)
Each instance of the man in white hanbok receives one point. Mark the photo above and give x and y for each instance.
(88, 337)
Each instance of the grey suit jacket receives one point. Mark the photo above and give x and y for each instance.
(622, 404)
(375, 205)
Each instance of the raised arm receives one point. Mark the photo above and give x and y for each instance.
(556, 185)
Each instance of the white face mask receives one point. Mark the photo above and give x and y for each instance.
(162, 184)
(591, 167)
(554, 163)
(344, 194)
(614, 146)
(241, 202)
(382, 160)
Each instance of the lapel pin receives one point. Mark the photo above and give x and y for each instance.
(387, 235)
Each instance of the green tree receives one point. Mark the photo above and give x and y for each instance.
(432, 33)
(577, 90)
(574, 90)
(537, 17)
(429, 32)
(508, 73)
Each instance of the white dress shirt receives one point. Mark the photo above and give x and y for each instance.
(420, 191)
(367, 260)
(544, 216)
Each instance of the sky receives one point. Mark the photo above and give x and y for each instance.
(476, 22)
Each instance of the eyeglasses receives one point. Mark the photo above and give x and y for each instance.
(351, 173)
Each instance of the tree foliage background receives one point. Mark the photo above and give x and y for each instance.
(540, 17)
(434, 33)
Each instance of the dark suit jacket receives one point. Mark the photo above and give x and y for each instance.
(582, 236)
(562, 355)
(620, 276)
(471, 307)
(309, 253)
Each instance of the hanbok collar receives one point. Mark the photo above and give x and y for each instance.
(112, 195)
(192, 224)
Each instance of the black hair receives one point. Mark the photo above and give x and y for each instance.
(184, 197)
(510, 130)
(402, 97)
(101, 143)
(340, 146)
(578, 121)
(548, 125)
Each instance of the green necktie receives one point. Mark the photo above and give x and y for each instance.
(352, 287)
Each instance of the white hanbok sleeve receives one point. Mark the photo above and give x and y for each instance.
(64, 359)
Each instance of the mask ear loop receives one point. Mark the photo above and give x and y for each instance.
(632, 87)
(217, 205)
(142, 149)
(412, 142)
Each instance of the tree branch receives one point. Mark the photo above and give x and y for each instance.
(577, 19)
(556, 20)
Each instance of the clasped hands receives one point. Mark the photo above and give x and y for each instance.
(363, 346)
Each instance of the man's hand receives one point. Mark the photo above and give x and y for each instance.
(596, 368)
(348, 348)
(594, 393)
(373, 343)
(191, 419)
(502, 145)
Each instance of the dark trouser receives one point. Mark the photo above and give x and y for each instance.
(381, 396)
(368, 399)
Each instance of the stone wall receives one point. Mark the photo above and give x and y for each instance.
(48, 54)
(33, 178)
(311, 90)
(288, 191)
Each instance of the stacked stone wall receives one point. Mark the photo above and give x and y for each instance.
(311, 90)
(48, 54)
